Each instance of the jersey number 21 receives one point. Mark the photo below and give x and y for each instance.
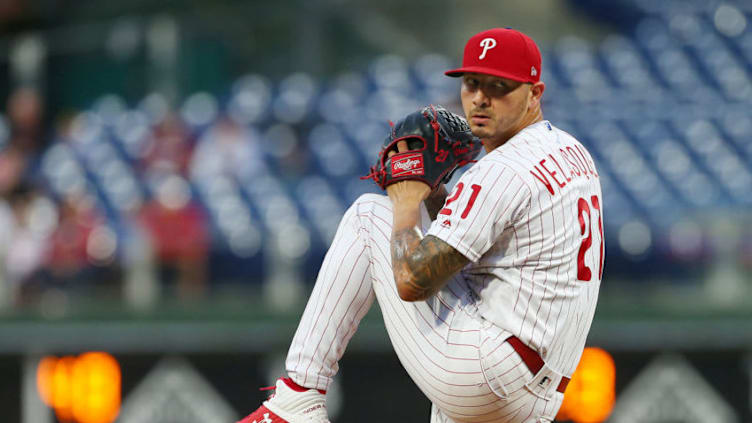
(583, 208)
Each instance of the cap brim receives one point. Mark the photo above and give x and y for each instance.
(483, 70)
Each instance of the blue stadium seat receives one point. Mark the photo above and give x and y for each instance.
(628, 67)
(131, 132)
(674, 162)
(235, 224)
(321, 204)
(633, 172)
(368, 137)
(738, 128)
(109, 108)
(339, 105)
(336, 157)
(385, 105)
(433, 86)
(295, 98)
(581, 69)
(391, 73)
(62, 170)
(707, 143)
(250, 99)
(199, 110)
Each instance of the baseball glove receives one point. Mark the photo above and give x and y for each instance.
(439, 142)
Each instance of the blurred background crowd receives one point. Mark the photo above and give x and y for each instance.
(165, 151)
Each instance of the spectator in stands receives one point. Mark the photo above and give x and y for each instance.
(45, 247)
(13, 164)
(56, 247)
(177, 228)
(24, 108)
(68, 257)
(174, 223)
(170, 148)
(23, 246)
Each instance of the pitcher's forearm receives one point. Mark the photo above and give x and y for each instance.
(406, 237)
(421, 265)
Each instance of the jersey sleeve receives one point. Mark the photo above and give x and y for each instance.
(486, 199)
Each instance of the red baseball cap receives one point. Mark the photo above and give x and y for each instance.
(502, 52)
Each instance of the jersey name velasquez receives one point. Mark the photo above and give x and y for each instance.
(529, 216)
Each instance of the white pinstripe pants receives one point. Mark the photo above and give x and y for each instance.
(459, 360)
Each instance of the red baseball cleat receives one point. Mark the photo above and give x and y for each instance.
(263, 415)
(291, 404)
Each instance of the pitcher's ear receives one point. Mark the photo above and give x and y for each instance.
(536, 92)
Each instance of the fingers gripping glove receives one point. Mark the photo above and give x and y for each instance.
(439, 143)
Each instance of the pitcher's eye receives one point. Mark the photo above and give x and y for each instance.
(471, 82)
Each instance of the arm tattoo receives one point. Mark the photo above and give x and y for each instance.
(423, 265)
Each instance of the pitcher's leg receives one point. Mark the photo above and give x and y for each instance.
(343, 294)
(358, 261)
(436, 340)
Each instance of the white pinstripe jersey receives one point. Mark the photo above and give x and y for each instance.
(529, 217)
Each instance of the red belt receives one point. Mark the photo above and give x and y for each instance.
(533, 361)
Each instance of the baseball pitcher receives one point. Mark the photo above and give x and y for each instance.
(488, 292)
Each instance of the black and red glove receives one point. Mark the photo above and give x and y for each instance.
(439, 142)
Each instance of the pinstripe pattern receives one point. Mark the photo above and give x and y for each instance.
(438, 341)
(523, 242)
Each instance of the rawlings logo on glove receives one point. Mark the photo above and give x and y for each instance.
(410, 164)
(439, 143)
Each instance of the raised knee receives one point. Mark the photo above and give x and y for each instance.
(369, 201)
(368, 206)
(370, 197)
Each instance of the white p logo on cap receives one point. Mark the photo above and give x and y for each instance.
(487, 44)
